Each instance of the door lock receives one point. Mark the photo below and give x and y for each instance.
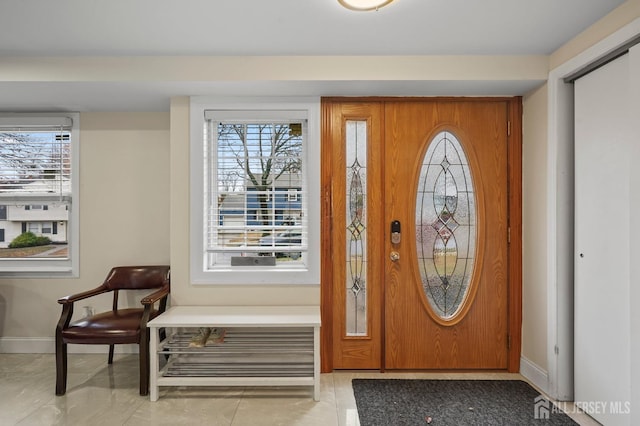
(395, 232)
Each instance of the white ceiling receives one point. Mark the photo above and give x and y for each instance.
(271, 27)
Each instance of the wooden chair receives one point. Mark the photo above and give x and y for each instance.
(117, 326)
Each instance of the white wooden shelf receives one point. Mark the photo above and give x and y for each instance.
(263, 346)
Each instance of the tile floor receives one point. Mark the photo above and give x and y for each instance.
(98, 394)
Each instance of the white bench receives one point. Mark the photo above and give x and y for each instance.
(263, 346)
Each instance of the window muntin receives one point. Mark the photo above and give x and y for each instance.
(38, 191)
(253, 167)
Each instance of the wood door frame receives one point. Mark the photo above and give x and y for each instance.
(514, 195)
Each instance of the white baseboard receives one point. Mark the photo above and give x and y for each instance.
(535, 374)
(46, 345)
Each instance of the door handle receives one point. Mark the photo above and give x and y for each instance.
(395, 256)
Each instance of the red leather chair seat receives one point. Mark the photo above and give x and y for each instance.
(122, 326)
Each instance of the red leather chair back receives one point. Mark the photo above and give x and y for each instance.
(138, 277)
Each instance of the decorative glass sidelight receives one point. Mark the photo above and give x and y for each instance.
(356, 235)
(445, 225)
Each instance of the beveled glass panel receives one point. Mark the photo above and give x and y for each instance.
(445, 225)
(356, 230)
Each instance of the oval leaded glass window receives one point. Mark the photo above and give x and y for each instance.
(445, 225)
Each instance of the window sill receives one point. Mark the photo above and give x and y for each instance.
(39, 272)
(256, 276)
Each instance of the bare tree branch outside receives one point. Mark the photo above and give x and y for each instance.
(255, 156)
(30, 157)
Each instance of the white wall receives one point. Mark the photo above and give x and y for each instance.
(534, 239)
(124, 220)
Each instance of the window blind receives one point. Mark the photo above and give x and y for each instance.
(257, 194)
(35, 158)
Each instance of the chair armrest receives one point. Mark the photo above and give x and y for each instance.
(79, 296)
(148, 302)
(154, 297)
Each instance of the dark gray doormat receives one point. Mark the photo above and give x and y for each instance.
(384, 402)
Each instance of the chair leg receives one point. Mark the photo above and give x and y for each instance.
(144, 363)
(111, 347)
(61, 366)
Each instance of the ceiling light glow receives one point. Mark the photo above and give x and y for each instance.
(364, 4)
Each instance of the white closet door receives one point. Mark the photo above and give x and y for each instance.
(603, 164)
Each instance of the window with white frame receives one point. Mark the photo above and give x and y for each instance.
(251, 222)
(38, 192)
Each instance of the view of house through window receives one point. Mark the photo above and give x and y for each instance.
(35, 191)
(256, 204)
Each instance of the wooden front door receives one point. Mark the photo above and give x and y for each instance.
(418, 269)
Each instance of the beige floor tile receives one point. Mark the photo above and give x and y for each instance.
(284, 407)
(94, 402)
(102, 394)
(22, 395)
(189, 406)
